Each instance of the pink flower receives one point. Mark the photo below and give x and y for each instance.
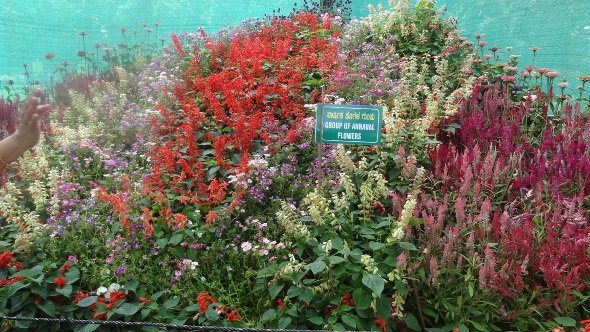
(563, 85)
(81, 53)
(49, 56)
(552, 74)
(506, 78)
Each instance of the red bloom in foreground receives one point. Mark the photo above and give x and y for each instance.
(233, 316)
(60, 282)
(347, 300)
(79, 297)
(280, 304)
(65, 268)
(49, 56)
(204, 300)
(380, 323)
(5, 258)
(10, 281)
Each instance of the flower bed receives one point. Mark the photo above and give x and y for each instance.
(189, 190)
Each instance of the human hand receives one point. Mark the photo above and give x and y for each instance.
(28, 132)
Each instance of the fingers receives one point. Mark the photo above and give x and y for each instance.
(42, 109)
(33, 107)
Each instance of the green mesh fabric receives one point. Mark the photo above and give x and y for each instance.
(561, 29)
(29, 29)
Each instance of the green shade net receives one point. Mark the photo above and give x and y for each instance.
(29, 29)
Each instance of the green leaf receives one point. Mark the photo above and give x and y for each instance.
(87, 301)
(317, 320)
(86, 328)
(480, 327)
(365, 313)
(162, 243)
(284, 322)
(376, 245)
(335, 260)
(156, 295)
(407, 246)
(275, 290)
(65, 290)
(463, 328)
(294, 291)
(270, 314)
(375, 283)
(176, 238)
(306, 295)
(131, 286)
(338, 327)
(383, 306)
(211, 172)
(173, 302)
(48, 307)
(12, 290)
(128, 309)
(211, 314)
(337, 243)
(362, 298)
(412, 322)
(72, 275)
(317, 266)
(349, 320)
(30, 273)
(192, 308)
(566, 321)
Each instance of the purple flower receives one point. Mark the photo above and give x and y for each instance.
(120, 270)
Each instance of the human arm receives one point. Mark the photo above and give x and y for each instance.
(27, 134)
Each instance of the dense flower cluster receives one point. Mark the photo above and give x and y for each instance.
(235, 97)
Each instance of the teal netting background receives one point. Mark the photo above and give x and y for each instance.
(31, 28)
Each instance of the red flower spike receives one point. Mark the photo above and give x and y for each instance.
(60, 282)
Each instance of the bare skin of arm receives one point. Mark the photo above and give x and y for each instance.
(27, 134)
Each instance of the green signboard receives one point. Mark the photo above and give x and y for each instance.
(348, 124)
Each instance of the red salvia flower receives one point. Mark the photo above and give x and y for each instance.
(5, 258)
(380, 323)
(233, 316)
(280, 304)
(65, 268)
(60, 282)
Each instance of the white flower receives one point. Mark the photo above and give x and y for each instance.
(246, 246)
(114, 287)
(101, 290)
